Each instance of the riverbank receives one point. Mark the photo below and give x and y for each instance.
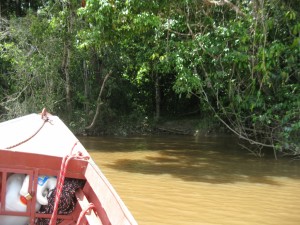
(145, 126)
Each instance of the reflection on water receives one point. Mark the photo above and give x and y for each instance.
(183, 180)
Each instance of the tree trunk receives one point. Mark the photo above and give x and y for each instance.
(65, 69)
(66, 62)
(157, 97)
(86, 87)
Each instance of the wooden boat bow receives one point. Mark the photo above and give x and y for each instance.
(39, 144)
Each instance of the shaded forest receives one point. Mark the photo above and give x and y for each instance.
(118, 67)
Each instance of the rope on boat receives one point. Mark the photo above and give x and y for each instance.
(82, 214)
(45, 120)
(61, 178)
(67, 201)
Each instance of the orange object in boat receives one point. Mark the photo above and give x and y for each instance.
(23, 200)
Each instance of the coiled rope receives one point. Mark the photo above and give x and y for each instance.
(79, 156)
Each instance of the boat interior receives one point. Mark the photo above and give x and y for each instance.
(96, 201)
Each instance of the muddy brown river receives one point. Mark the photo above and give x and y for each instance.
(181, 180)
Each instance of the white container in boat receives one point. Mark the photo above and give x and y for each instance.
(13, 202)
(44, 186)
(16, 188)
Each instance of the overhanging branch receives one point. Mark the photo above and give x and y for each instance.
(99, 102)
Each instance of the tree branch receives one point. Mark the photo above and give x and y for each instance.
(99, 102)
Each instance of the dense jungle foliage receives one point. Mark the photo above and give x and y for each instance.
(103, 64)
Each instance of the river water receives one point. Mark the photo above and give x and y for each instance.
(181, 180)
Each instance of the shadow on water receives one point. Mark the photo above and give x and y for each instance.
(210, 160)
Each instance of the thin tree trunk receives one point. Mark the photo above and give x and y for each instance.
(68, 84)
(66, 61)
(86, 87)
(99, 102)
(65, 69)
(157, 97)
